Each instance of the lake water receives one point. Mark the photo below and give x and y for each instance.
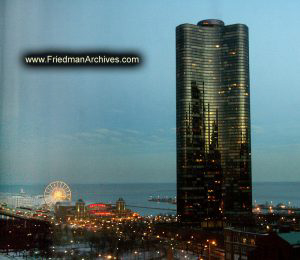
(138, 194)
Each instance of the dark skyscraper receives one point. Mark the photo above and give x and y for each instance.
(213, 122)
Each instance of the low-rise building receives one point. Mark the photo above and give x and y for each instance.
(238, 243)
(66, 211)
(277, 246)
(256, 245)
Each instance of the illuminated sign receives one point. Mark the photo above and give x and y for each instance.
(103, 213)
(98, 205)
(100, 213)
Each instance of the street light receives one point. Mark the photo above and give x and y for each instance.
(213, 242)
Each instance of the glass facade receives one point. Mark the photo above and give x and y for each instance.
(213, 122)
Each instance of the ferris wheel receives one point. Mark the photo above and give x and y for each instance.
(57, 191)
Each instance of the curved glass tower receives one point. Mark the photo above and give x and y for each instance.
(213, 122)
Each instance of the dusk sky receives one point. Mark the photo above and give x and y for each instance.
(118, 125)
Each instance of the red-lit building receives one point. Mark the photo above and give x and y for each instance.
(95, 210)
(99, 210)
(108, 210)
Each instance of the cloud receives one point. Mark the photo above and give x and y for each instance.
(132, 131)
(120, 137)
(117, 111)
(100, 154)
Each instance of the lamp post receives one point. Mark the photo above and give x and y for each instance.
(213, 242)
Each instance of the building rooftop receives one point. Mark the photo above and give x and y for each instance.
(63, 203)
(292, 238)
(248, 230)
(211, 22)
